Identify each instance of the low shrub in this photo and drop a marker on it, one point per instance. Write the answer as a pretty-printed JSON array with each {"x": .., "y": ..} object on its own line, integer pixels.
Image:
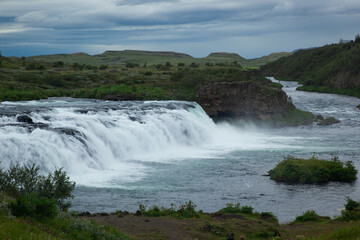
[
  {"x": 231, "y": 208},
  {"x": 21, "y": 181},
  {"x": 186, "y": 210},
  {"x": 31, "y": 205},
  {"x": 308, "y": 216},
  {"x": 235, "y": 208},
  {"x": 351, "y": 211}
]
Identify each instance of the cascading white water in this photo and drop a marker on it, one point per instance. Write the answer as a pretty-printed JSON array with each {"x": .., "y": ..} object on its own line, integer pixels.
[
  {"x": 98, "y": 141},
  {"x": 171, "y": 152}
]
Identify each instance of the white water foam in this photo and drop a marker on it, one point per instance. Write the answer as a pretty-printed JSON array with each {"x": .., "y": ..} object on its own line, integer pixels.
[{"x": 101, "y": 143}]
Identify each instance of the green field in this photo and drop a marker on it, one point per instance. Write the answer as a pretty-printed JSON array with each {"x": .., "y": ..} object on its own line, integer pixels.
[{"x": 125, "y": 75}]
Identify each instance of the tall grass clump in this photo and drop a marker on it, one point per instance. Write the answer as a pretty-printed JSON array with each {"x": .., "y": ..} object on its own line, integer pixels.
[
  {"x": 186, "y": 210},
  {"x": 313, "y": 170},
  {"x": 308, "y": 216},
  {"x": 236, "y": 208}
]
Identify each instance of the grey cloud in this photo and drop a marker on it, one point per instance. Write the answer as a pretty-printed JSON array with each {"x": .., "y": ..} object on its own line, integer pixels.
[{"x": 177, "y": 24}]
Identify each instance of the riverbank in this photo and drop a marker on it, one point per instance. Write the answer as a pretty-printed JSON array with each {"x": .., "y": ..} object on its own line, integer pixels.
[
  {"x": 122, "y": 225},
  {"x": 218, "y": 226},
  {"x": 328, "y": 69}
]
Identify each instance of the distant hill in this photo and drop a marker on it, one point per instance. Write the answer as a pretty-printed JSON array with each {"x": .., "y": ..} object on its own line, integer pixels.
[
  {"x": 332, "y": 68},
  {"x": 117, "y": 58},
  {"x": 258, "y": 62}
]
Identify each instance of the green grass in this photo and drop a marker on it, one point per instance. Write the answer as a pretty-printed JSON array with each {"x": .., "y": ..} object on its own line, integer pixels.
[
  {"x": 313, "y": 170},
  {"x": 62, "y": 227},
  {"x": 163, "y": 82},
  {"x": 328, "y": 121},
  {"x": 355, "y": 92},
  {"x": 345, "y": 233}
]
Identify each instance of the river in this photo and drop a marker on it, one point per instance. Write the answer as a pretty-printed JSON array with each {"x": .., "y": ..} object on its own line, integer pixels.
[{"x": 122, "y": 154}]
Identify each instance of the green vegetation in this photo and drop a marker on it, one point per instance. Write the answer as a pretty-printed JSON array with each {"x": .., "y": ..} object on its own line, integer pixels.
[
  {"x": 31, "y": 204},
  {"x": 238, "y": 220},
  {"x": 26, "y": 184},
  {"x": 308, "y": 216},
  {"x": 56, "y": 76},
  {"x": 25, "y": 79},
  {"x": 351, "y": 211},
  {"x": 133, "y": 58},
  {"x": 186, "y": 210},
  {"x": 63, "y": 227},
  {"x": 328, "y": 121},
  {"x": 330, "y": 69},
  {"x": 231, "y": 208},
  {"x": 313, "y": 170},
  {"x": 293, "y": 117}
]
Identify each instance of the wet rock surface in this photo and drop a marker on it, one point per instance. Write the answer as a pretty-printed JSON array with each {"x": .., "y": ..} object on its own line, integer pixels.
[{"x": 242, "y": 100}]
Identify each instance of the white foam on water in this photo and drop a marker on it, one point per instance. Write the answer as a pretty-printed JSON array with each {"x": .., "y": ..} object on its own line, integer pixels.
[{"x": 97, "y": 146}]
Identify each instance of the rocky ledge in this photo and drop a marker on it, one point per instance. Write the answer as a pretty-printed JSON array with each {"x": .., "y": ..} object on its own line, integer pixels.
[{"x": 242, "y": 100}]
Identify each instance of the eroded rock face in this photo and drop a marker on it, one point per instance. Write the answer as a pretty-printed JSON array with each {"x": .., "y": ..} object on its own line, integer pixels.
[{"x": 242, "y": 100}]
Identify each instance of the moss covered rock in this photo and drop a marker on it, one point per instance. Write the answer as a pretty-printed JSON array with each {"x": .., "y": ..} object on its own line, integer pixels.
[
  {"x": 328, "y": 121},
  {"x": 313, "y": 170}
]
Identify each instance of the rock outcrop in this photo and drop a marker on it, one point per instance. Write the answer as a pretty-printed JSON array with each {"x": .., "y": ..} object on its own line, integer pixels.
[
  {"x": 24, "y": 119},
  {"x": 328, "y": 121},
  {"x": 242, "y": 100}
]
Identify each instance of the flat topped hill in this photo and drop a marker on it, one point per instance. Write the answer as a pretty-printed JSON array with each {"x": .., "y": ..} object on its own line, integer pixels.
[
  {"x": 224, "y": 55},
  {"x": 141, "y": 57},
  {"x": 150, "y": 53}
]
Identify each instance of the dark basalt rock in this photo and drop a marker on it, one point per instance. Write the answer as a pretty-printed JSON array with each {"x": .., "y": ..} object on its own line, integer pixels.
[
  {"x": 24, "y": 119},
  {"x": 242, "y": 100},
  {"x": 68, "y": 131},
  {"x": 319, "y": 117}
]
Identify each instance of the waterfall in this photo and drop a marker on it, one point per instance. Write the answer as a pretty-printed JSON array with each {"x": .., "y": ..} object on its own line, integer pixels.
[{"x": 97, "y": 141}]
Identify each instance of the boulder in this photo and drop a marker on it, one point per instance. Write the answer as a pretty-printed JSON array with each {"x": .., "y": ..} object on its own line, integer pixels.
[
  {"x": 242, "y": 100},
  {"x": 24, "y": 119},
  {"x": 319, "y": 117}
]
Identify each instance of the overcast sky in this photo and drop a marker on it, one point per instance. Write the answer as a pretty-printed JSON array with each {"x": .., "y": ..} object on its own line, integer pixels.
[{"x": 251, "y": 28}]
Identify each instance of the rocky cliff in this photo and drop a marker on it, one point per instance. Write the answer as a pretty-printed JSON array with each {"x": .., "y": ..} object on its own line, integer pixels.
[{"x": 242, "y": 100}]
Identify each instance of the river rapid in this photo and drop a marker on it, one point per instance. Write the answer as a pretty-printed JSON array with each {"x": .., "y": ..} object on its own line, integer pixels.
[{"x": 122, "y": 154}]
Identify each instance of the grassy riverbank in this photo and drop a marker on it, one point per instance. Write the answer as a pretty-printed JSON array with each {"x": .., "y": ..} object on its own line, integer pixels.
[
  {"x": 183, "y": 223},
  {"x": 332, "y": 68}
]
